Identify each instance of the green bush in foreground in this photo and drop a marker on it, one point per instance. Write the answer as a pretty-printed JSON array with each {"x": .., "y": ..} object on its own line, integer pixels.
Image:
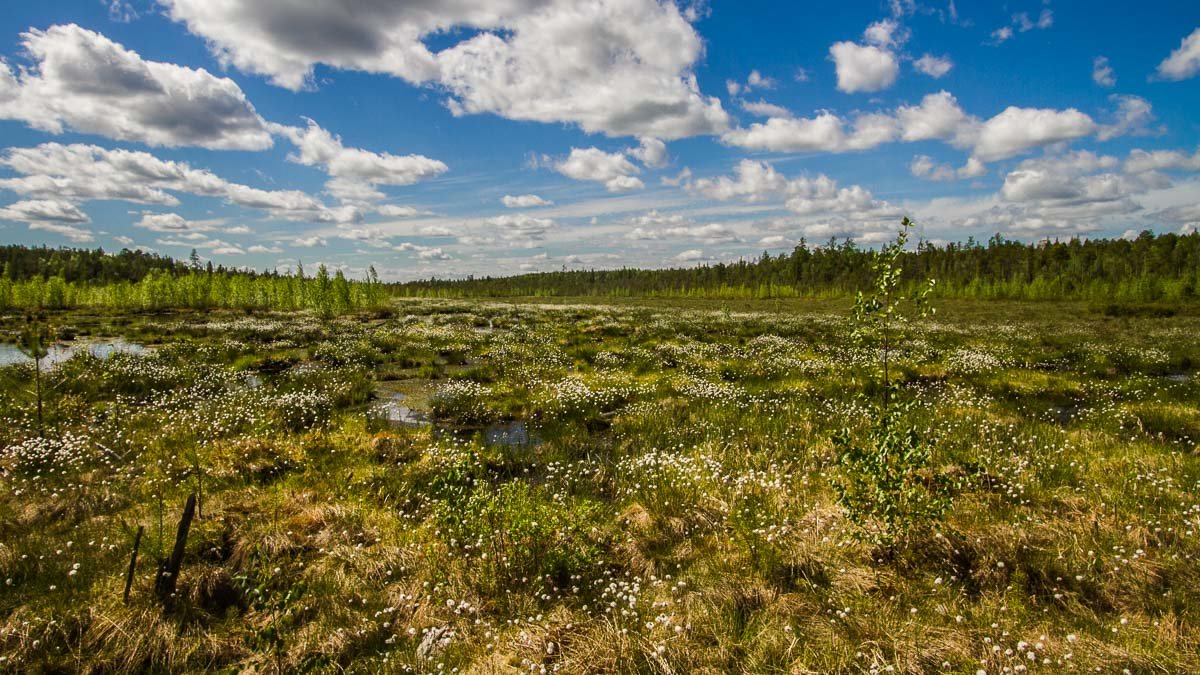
[{"x": 887, "y": 485}]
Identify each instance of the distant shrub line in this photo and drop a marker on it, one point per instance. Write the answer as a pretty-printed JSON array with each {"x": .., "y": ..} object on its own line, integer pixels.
[
  {"x": 1147, "y": 275},
  {"x": 1150, "y": 268}
]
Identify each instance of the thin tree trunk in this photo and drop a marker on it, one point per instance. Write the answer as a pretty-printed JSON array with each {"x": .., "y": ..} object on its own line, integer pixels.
[
  {"x": 137, "y": 541},
  {"x": 168, "y": 572},
  {"x": 37, "y": 378}
]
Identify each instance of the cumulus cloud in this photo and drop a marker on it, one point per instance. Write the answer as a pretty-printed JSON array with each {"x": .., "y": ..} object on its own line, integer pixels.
[
  {"x": 691, "y": 256},
  {"x": 651, "y": 152},
  {"x": 428, "y": 253},
  {"x": 924, "y": 166},
  {"x": 863, "y": 68},
  {"x": 1021, "y": 22},
  {"x": 1132, "y": 116},
  {"x": 1016, "y": 130},
  {"x": 755, "y": 80},
  {"x": 826, "y": 132},
  {"x": 82, "y": 172},
  {"x": 1142, "y": 161},
  {"x": 524, "y": 201},
  {"x": 356, "y": 171},
  {"x": 1184, "y": 62},
  {"x": 622, "y": 67},
  {"x": 169, "y": 222},
  {"x": 520, "y": 227},
  {"x": 50, "y": 215},
  {"x": 397, "y": 211},
  {"x": 934, "y": 66},
  {"x": 1102, "y": 72},
  {"x": 655, "y": 226},
  {"x": 82, "y": 81},
  {"x": 819, "y": 197},
  {"x": 764, "y": 109},
  {"x": 938, "y": 117},
  {"x": 886, "y": 33},
  {"x": 593, "y": 164},
  {"x": 1071, "y": 193},
  {"x": 45, "y": 210}
]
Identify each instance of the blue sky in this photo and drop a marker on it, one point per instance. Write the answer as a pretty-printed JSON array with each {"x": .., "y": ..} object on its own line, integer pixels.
[{"x": 460, "y": 137}]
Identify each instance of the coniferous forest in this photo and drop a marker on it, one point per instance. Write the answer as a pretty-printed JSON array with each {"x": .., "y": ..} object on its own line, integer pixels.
[{"x": 1151, "y": 268}]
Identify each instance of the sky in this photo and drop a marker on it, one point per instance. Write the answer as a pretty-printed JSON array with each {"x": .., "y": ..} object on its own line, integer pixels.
[{"x": 445, "y": 138}]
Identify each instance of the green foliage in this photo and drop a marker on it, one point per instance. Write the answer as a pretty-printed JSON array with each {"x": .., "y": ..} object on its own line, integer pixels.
[
  {"x": 522, "y": 536},
  {"x": 1161, "y": 268},
  {"x": 887, "y": 486}
]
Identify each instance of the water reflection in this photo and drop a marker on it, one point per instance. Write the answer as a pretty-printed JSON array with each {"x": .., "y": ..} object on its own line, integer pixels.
[{"x": 10, "y": 354}]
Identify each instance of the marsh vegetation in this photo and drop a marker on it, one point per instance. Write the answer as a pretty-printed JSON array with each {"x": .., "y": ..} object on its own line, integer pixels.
[{"x": 481, "y": 487}]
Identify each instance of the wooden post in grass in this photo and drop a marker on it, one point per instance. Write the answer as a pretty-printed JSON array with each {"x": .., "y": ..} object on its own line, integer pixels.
[
  {"x": 168, "y": 570},
  {"x": 137, "y": 541}
]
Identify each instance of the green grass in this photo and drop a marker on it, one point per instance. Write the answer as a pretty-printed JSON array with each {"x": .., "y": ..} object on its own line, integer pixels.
[{"x": 675, "y": 512}]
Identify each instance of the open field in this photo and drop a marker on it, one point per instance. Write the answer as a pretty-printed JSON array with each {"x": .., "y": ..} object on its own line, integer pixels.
[{"x": 646, "y": 486}]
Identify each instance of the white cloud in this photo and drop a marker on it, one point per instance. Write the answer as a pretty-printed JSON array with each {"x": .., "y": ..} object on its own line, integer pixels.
[
  {"x": 593, "y": 164},
  {"x": 819, "y": 197},
  {"x": 48, "y": 210},
  {"x": 863, "y": 68},
  {"x": 755, "y": 80},
  {"x": 886, "y": 33},
  {"x": 655, "y": 226},
  {"x": 75, "y": 234},
  {"x": 436, "y": 231},
  {"x": 396, "y": 211},
  {"x": 1141, "y": 161},
  {"x": 923, "y": 166},
  {"x": 50, "y": 215},
  {"x": 826, "y": 132},
  {"x": 1132, "y": 116},
  {"x": 650, "y": 152},
  {"x": 83, "y": 81},
  {"x": 259, "y": 248},
  {"x": 764, "y": 109},
  {"x": 520, "y": 227},
  {"x": 691, "y": 256},
  {"x": 309, "y": 242},
  {"x": 120, "y": 11},
  {"x": 622, "y": 67},
  {"x": 1024, "y": 24},
  {"x": 87, "y": 172},
  {"x": 624, "y": 184},
  {"x": 1018, "y": 129},
  {"x": 169, "y": 222},
  {"x": 934, "y": 66},
  {"x": 1102, "y": 72},
  {"x": 524, "y": 201},
  {"x": 317, "y": 147},
  {"x": 938, "y": 117},
  {"x": 1183, "y": 63}
]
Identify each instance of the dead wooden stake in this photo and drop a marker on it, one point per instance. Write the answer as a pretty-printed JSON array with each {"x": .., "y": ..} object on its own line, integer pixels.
[
  {"x": 168, "y": 571},
  {"x": 137, "y": 541}
]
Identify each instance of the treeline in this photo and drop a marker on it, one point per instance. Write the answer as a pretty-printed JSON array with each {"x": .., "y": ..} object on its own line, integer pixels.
[
  {"x": 1150, "y": 268},
  {"x": 195, "y": 287},
  {"x": 22, "y": 263}
]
